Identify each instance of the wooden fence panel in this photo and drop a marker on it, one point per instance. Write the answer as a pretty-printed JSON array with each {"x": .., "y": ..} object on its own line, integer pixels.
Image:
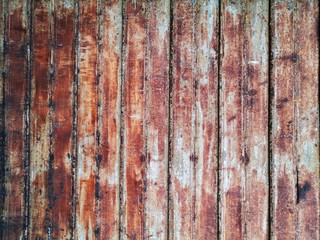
[{"x": 163, "y": 119}]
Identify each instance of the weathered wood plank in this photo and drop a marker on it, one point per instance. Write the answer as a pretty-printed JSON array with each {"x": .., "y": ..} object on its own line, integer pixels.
[
  {"x": 307, "y": 119},
  {"x": 109, "y": 73},
  {"x": 2, "y": 116},
  {"x": 15, "y": 118},
  {"x": 40, "y": 119},
  {"x": 133, "y": 156},
  {"x": 183, "y": 121},
  {"x": 295, "y": 120},
  {"x": 232, "y": 175},
  {"x": 61, "y": 126},
  {"x": 87, "y": 121},
  {"x": 255, "y": 110},
  {"x": 206, "y": 138},
  {"x": 157, "y": 120},
  {"x": 244, "y": 120}
]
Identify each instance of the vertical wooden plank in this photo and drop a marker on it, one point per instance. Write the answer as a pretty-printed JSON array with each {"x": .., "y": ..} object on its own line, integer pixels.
[
  {"x": 157, "y": 119},
  {"x": 295, "y": 119},
  {"x": 206, "y": 138},
  {"x": 40, "y": 120},
  {"x": 183, "y": 97},
  {"x": 232, "y": 175},
  {"x": 61, "y": 113},
  {"x": 87, "y": 121},
  {"x": 254, "y": 92},
  {"x": 15, "y": 118},
  {"x": 283, "y": 127},
  {"x": 307, "y": 118},
  {"x": 133, "y": 159},
  {"x": 2, "y": 116},
  {"x": 109, "y": 118}
]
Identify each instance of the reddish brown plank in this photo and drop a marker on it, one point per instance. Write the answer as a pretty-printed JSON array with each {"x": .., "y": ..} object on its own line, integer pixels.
[
  {"x": 61, "y": 126},
  {"x": 206, "y": 114},
  {"x": 295, "y": 120},
  {"x": 255, "y": 123},
  {"x": 157, "y": 115},
  {"x": 232, "y": 173},
  {"x": 40, "y": 119},
  {"x": 109, "y": 118},
  {"x": 244, "y": 120},
  {"x": 132, "y": 219},
  {"x": 183, "y": 82},
  {"x": 87, "y": 121},
  {"x": 15, "y": 118}
]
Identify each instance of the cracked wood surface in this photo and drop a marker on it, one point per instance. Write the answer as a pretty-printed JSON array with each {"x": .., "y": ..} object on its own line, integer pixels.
[{"x": 163, "y": 119}]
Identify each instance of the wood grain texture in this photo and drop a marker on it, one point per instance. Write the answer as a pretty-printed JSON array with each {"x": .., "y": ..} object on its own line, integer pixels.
[
  {"x": 162, "y": 119},
  {"x": 134, "y": 155},
  {"x": 157, "y": 120},
  {"x": 183, "y": 121},
  {"x": 206, "y": 119},
  {"x": 244, "y": 120},
  {"x": 295, "y": 119},
  {"x": 109, "y": 72},
  {"x": 16, "y": 119},
  {"x": 87, "y": 116},
  {"x": 60, "y": 178},
  {"x": 40, "y": 120}
]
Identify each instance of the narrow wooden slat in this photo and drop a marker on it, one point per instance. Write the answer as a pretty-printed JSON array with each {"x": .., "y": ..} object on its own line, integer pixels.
[
  {"x": 15, "y": 118},
  {"x": 183, "y": 97},
  {"x": 307, "y": 119},
  {"x": 283, "y": 127},
  {"x": 295, "y": 120},
  {"x": 61, "y": 107},
  {"x": 87, "y": 122},
  {"x": 206, "y": 138},
  {"x": 40, "y": 120},
  {"x": 2, "y": 116},
  {"x": 133, "y": 156},
  {"x": 255, "y": 122},
  {"x": 232, "y": 174},
  {"x": 244, "y": 120},
  {"x": 109, "y": 117},
  {"x": 157, "y": 115}
]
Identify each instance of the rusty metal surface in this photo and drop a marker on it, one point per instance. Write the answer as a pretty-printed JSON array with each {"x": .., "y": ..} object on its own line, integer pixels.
[{"x": 164, "y": 119}]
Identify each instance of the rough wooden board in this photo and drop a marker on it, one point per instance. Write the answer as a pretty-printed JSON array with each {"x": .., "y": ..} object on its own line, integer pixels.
[
  {"x": 206, "y": 119},
  {"x": 244, "y": 120},
  {"x": 133, "y": 107},
  {"x": 109, "y": 73},
  {"x": 183, "y": 121},
  {"x": 16, "y": 119},
  {"x": 60, "y": 178},
  {"x": 157, "y": 120},
  {"x": 295, "y": 120},
  {"x": 40, "y": 119},
  {"x": 87, "y": 114}
]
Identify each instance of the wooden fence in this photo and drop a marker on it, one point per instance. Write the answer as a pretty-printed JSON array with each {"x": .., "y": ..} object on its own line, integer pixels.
[{"x": 159, "y": 119}]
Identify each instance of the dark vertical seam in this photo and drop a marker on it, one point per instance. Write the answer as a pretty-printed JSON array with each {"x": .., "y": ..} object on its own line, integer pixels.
[
  {"x": 99, "y": 124},
  {"x": 27, "y": 113},
  {"x": 74, "y": 118},
  {"x": 121, "y": 130},
  {"x": 3, "y": 158},
  {"x": 51, "y": 156},
  {"x": 219, "y": 119},
  {"x": 270, "y": 96},
  {"x": 170, "y": 114}
]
